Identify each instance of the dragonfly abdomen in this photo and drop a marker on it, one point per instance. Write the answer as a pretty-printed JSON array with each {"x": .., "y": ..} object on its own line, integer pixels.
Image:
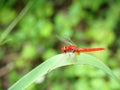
[{"x": 90, "y": 49}]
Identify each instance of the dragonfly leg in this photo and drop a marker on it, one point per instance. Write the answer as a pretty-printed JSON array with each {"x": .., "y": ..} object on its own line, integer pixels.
[{"x": 73, "y": 51}]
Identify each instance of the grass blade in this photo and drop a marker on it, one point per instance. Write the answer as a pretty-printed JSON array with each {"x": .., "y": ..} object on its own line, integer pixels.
[
  {"x": 13, "y": 24},
  {"x": 59, "y": 61}
]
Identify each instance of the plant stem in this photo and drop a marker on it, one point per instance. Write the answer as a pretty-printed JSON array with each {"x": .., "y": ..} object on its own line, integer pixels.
[{"x": 13, "y": 24}]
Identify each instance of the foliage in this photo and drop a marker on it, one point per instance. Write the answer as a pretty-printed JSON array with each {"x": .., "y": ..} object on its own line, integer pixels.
[
  {"x": 54, "y": 62},
  {"x": 27, "y": 38}
]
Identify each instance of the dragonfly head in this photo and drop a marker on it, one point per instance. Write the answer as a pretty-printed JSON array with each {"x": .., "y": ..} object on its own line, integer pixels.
[{"x": 64, "y": 49}]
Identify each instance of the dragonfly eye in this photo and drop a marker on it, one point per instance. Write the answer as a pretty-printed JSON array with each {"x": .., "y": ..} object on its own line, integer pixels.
[{"x": 64, "y": 49}]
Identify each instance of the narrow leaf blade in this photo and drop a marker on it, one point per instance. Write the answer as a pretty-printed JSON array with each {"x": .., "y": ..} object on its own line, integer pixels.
[{"x": 59, "y": 61}]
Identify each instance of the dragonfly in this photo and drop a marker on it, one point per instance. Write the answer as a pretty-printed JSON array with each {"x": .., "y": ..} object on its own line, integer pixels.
[{"x": 75, "y": 49}]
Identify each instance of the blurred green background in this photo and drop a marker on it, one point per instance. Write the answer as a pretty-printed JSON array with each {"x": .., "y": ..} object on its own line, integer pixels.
[{"x": 89, "y": 23}]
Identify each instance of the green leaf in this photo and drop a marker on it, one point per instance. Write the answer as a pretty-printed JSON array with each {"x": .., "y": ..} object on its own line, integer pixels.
[
  {"x": 59, "y": 61},
  {"x": 29, "y": 51},
  {"x": 7, "y": 15}
]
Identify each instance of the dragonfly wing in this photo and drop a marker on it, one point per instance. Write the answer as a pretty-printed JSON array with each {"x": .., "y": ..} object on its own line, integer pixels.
[{"x": 67, "y": 41}]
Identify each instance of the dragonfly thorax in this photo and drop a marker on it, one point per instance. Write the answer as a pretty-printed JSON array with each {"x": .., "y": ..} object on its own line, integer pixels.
[{"x": 72, "y": 48}]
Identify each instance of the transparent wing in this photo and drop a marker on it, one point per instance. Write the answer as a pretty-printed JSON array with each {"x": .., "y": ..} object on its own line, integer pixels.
[{"x": 66, "y": 40}]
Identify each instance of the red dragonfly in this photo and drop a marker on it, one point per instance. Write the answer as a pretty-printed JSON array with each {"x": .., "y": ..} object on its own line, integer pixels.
[{"x": 75, "y": 49}]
